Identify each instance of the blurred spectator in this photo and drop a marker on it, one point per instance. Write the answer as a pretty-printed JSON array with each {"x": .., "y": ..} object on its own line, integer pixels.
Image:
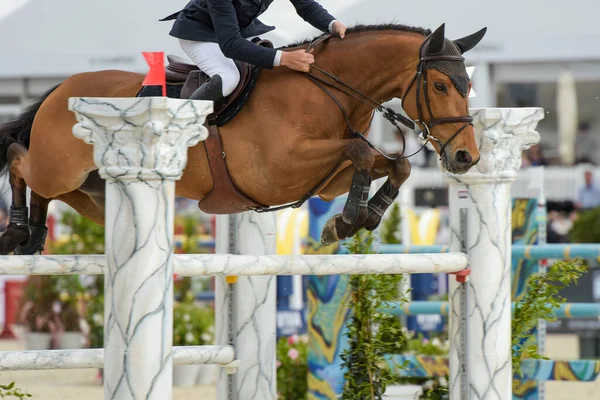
[
  {"x": 585, "y": 145},
  {"x": 535, "y": 156},
  {"x": 559, "y": 226},
  {"x": 589, "y": 195},
  {"x": 3, "y": 218}
]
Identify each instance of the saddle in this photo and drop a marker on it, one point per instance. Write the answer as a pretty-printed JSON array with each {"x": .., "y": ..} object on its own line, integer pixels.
[{"x": 225, "y": 198}]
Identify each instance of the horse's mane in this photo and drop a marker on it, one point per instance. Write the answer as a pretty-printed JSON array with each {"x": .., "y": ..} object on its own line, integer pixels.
[{"x": 369, "y": 28}]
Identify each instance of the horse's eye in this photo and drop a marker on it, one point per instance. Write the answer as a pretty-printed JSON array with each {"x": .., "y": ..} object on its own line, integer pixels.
[{"x": 440, "y": 86}]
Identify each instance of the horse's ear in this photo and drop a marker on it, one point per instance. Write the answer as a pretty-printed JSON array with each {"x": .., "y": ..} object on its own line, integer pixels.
[
  {"x": 468, "y": 42},
  {"x": 436, "y": 42}
]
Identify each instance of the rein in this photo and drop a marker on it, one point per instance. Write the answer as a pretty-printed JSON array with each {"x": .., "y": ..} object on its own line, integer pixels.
[
  {"x": 388, "y": 113},
  {"x": 393, "y": 117}
]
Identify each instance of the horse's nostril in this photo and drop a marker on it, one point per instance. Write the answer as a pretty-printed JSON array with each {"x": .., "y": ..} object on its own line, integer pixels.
[{"x": 463, "y": 157}]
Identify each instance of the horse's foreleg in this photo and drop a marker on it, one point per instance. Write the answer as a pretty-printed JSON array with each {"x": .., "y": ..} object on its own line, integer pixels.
[
  {"x": 398, "y": 173},
  {"x": 356, "y": 209},
  {"x": 17, "y": 231}
]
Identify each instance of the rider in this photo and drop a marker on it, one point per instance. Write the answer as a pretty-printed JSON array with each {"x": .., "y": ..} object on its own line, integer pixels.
[{"x": 212, "y": 33}]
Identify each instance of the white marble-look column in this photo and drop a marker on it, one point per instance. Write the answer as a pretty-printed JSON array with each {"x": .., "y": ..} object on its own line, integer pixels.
[
  {"x": 140, "y": 148},
  {"x": 246, "y": 310},
  {"x": 480, "y": 362}
]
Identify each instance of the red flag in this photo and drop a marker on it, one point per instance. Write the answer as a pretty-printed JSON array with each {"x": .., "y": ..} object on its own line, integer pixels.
[{"x": 156, "y": 76}]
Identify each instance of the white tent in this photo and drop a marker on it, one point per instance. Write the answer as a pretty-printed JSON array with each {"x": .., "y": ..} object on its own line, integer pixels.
[
  {"x": 60, "y": 37},
  {"x": 531, "y": 30}
]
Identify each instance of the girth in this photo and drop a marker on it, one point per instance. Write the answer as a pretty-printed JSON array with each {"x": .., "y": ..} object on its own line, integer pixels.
[{"x": 225, "y": 197}]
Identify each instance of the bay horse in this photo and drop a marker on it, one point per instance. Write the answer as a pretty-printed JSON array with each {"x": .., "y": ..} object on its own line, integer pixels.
[{"x": 290, "y": 139}]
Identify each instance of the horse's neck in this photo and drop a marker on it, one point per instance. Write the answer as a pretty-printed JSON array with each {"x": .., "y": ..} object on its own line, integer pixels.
[{"x": 378, "y": 64}]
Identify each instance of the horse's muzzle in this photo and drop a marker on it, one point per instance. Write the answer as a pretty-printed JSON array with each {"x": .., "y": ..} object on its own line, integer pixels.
[{"x": 458, "y": 163}]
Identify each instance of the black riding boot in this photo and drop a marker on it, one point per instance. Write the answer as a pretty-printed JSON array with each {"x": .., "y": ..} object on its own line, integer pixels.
[{"x": 211, "y": 90}]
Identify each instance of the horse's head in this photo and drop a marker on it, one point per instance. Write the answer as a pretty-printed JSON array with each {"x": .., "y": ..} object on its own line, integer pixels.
[{"x": 437, "y": 99}]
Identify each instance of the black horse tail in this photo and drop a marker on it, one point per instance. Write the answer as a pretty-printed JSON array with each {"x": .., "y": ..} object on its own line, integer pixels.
[{"x": 19, "y": 130}]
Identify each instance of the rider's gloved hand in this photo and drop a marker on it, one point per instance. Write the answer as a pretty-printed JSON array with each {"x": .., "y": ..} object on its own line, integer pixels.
[
  {"x": 298, "y": 60},
  {"x": 339, "y": 29}
]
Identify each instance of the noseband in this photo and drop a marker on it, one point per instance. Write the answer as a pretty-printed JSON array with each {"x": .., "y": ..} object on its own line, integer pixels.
[{"x": 388, "y": 113}]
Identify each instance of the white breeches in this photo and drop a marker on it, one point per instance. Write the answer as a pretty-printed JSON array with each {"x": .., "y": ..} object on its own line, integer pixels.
[{"x": 211, "y": 60}]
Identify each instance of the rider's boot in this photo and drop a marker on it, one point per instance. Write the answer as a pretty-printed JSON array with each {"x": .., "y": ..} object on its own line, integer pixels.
[{"x": 211, "y": 90}]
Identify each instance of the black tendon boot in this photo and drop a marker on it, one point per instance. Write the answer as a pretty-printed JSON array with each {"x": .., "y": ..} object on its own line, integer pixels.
[
  {"x": 379, "y": 203},
  {"x": 356, "y": 208}
]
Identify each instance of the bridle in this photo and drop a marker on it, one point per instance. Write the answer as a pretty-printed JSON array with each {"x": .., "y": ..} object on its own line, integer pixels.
[
  {"x": 421, "y": 75},
  {"x": 420, "y": 79}
]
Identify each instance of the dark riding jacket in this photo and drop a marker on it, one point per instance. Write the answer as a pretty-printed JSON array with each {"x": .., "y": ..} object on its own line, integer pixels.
[{"x": 229, "y": 22}]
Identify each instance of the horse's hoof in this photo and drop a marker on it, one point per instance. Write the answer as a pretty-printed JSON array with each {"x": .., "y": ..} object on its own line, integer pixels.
[
  {"x": 372, "y": 222},
  {"x": 329, "y": 234}
]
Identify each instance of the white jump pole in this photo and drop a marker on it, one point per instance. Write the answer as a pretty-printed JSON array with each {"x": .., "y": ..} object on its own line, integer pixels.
[
  {"x": 140, "y": 148},
  {"x": 480, "y": 209}
]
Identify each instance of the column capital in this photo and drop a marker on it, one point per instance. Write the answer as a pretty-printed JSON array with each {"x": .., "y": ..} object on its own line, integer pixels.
[
  {"x": 140, "y": 138},
  {"x": 502, "y": 134}
]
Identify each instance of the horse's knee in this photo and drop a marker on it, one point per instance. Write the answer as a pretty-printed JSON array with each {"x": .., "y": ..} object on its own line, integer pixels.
[
  {"x": 403, "y": 166},
  {"x": 15, "y": 155},
  {"x": 360, "y": 154},
  {"x": 401, "y": 169}
]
